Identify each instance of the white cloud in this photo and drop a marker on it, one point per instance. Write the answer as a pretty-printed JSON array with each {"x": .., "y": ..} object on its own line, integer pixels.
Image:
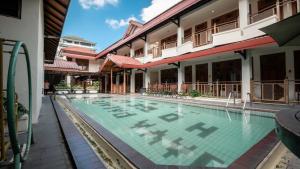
[
  {"x": 87, "y": 4},
  {"x": 115, "y": 24},
  {"x": 156, "y": 8}
]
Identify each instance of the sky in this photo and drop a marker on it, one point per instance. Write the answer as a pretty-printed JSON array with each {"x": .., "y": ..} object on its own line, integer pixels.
[{"x": 105, "y": 21}]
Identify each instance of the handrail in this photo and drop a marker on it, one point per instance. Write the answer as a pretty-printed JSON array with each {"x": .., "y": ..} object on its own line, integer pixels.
[
  {"x": 18, "y": 155},
  {"x": 227, "y": 103}
]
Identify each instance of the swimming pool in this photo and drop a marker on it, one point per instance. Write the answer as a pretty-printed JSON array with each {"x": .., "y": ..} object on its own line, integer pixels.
[{"x": 178, "y": 134}]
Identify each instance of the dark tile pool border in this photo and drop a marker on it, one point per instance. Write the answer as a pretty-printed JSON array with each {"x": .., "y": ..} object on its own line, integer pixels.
[
  {"x": 251, "y": 159},
  {"x": 81, "y": 152}
]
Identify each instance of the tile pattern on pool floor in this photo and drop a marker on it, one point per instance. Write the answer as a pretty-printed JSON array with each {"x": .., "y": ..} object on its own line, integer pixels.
[{"x": 178, "y": 134}]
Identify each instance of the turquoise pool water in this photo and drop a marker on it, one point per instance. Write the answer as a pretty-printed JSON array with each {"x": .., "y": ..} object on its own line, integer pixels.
[{"x": 178, "y": 134}]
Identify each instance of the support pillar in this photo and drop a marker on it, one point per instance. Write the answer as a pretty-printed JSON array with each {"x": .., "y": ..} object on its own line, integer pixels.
[
  {"x": 132, "y": 52},
  {"x": 209, "y": 65},
  {"x": 124, "y": 82},
  {"x": 146, "y": 45},
  {"x": 111, "y": 81},
  {"x": 105, "y": 83},
  {"x": 180, "y": 77},
  {"x": 117, "y": 79},
  {"x": 243, "y": 13},
  {"x": 132, "y": 81},
  {"x": 179, "y": 35},
  {"x": 68, "y": 80},
  {"x": 290, "y": 73},
  {"x": 194, "y": 77},
  {"x": 298, "y": 5},
  {"x": 159, "y": 77},
  {"x": 246, "y": 77},
  {"x": 147, "y": 79}
]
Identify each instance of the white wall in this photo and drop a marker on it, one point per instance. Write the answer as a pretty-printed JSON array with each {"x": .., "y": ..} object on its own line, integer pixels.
[
  {"x": 30, "y": 30},
  {"x": 94, "y": 65}
]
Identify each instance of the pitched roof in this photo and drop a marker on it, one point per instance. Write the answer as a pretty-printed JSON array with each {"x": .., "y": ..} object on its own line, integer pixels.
[
  {"x": 132, "y": 27},
  {"x": 163, "y": 17},
  {"x": 120, "y": 61},
  {"x": 79, "y": 53},
  {"x": 62, "y": 64},
  {"x": 77, "y": 49}
]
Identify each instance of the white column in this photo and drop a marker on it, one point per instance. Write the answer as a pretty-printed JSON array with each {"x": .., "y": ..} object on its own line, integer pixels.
[
  {"x": 131, "y": 52},
  {"x": 146, "y": 79},
  {"x": 159, "y": 77},
  {"x": 105, "y": 83},
  {"x": 146, "y": 45},
  {"x": 180, "y": 79},
  {"x": 246, "y": 76},
  {"x": 243, "y": 13},
  {"x": 118, "y": 79},
  {"x": 194, "y": 76},
  {"x": 68, "y": 80},
  {"x": 132, "y": 81},
  {"x": 298, "y": 5},
  {"x": 256, "y": 75},
  {"x": 179, "y": 35},
  {"x": 290, "y": 72},
  {"x": 209, "y": 72}
]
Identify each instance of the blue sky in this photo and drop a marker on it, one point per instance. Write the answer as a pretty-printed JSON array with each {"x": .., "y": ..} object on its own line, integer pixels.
[{"x": 105, "y": 21}]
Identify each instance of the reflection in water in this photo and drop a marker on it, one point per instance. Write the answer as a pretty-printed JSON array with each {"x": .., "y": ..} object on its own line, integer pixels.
[
  {"x": 246, "y": 123},
  {"x": 228, "y": 115}
]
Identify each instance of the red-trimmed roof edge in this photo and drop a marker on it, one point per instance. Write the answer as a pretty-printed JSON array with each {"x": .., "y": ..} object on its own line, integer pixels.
[{"x": 246, "y": 44}]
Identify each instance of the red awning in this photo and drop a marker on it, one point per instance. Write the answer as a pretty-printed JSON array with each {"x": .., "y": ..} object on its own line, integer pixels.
[
  {"x": 121, "y": 62},
  {"x": 247, "y": 44},
  {"x": 128, "y": 62}
]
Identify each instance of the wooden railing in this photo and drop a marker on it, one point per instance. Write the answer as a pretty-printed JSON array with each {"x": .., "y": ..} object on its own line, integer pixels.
[
  {"x": 167, "y": 45},
  {"x": 270, "y": 91},
  {"x": 226, "y": 26},
  {"x": 269, "y": 11},
  {"x": 117, "y": 89},
  {"x": 163, "y": 88},
  {"x": 156, "y": 52},
  {"x": 202, "y": 38},
  {"x": 187, "y": 39},
  {"x": 215, "y": 89}
]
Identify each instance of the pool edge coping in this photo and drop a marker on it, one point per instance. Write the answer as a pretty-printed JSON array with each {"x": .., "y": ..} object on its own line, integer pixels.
[{"x": 252, "y": 157}]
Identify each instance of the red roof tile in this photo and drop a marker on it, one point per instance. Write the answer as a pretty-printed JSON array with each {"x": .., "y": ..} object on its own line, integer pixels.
[
  {"x": 82, "y": 50},
  {"x": 62, "y": 64},
  {"x": 121, "y": 61}
]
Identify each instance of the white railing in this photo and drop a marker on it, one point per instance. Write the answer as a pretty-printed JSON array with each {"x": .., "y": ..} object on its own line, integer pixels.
[
  {"x": 226, "y": 26},
  {"x": 202, "y": 37}
]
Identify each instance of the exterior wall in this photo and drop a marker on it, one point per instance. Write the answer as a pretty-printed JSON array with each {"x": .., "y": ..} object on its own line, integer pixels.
[
  {"x": 28, "y": 29},
  {"x": 94, "y": 65},
  {"x": 246, "y": 30}
]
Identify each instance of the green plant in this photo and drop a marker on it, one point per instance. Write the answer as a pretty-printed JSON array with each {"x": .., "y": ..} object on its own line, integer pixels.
[
  {"x": 61, "y": 85},
  {"x": 77, "y": 87},
  {"x": 194, "y": 93}
]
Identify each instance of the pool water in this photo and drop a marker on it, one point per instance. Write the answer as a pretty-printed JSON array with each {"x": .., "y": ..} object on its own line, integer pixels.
[{"x": 178, "y": 134}]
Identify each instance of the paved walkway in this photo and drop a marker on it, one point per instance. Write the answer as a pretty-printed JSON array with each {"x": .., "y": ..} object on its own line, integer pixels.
[{"x": 49, "y": 150}]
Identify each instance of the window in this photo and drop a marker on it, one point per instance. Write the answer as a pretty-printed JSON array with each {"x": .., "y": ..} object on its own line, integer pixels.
[
  {"x": 12, "y": 8},
  {"x": 188, "y": 74},
  {"x": 188, "y": 35}
]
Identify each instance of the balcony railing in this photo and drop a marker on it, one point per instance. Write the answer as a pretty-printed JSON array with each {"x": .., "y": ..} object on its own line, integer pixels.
[
  {"x": 187, "y": 39},
  {"x": 270, "y": 91},
  {"x": 167, "y": 45},
  {"x": 155, "y": 51},
  {"x": 226, "y": 26},
  {"x": 202, "y": 38},
  {"x": 269, "y": 11},
  {"x": 214, "y": 89}
]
